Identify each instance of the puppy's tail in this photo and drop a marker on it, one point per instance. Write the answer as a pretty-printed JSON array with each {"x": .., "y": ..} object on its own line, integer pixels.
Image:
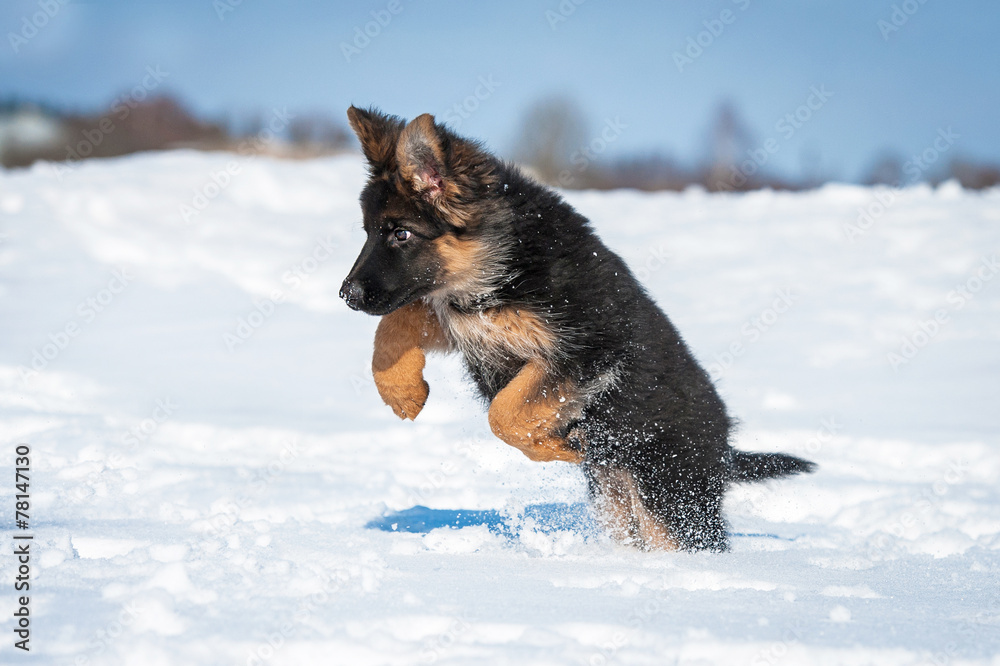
[{"x": 759, "y": 466}]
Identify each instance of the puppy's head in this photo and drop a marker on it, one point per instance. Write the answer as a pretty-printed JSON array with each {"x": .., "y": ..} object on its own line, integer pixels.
[{"x": 421, "y": 207}]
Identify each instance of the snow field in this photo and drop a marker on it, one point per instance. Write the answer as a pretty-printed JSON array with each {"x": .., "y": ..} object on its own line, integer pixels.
[{"x": 208, "y": 446}]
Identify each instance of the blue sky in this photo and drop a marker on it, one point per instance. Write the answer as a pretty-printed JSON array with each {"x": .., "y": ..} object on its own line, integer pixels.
[{"x": 615, "y": 59}]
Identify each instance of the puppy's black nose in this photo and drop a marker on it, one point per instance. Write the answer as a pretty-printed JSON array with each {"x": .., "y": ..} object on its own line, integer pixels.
[{"x": 352, "y": 293}]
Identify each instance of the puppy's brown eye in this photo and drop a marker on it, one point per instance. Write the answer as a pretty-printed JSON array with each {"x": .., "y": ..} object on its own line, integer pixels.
[{"x": 401, "y": 235}]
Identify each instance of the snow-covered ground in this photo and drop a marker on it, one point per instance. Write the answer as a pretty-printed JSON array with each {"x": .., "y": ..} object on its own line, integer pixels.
[{"x": 211, "y": 463}]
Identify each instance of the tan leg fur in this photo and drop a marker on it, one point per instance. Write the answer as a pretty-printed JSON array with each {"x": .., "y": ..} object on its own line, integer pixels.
[
  {"x": 401, "y": 339},
  {"x": 527, "y": 413}
]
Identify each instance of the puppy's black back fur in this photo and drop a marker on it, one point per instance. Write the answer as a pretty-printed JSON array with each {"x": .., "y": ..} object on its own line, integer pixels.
[{"x": 661, "y": 418}]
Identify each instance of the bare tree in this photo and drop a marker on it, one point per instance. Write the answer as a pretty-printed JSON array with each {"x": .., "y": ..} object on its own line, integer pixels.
[
  {"x": 887, "y": 170},
  {"x": 729, "y": 140},
  {"x": 552, "y": 130},
  {"x": 318, "y": 133}
]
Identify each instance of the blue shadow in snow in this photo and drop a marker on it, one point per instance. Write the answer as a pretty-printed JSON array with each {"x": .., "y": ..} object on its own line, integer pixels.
[{"x": 545, "y": 518}]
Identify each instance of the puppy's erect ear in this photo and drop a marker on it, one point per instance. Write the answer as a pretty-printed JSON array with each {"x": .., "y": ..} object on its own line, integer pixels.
[
  {"x": 421, "y": 158},
  {"x": 379, "y": 134},
  {"x": 443, "y": 170}
]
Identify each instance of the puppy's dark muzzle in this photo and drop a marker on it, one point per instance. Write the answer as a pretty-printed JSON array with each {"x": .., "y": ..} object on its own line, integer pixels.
[{"x": 353, "y": 294}]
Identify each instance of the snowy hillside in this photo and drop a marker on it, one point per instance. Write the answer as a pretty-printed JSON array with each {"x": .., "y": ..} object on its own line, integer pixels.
[{"x": 215, "y": 480}]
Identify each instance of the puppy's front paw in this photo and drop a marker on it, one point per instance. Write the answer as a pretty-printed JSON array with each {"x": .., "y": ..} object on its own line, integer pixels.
[{"x": 406, "y": 399}]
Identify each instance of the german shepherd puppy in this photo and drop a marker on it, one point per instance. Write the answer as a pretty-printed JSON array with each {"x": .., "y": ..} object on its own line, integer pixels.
[{"x": 465, "y": 253}]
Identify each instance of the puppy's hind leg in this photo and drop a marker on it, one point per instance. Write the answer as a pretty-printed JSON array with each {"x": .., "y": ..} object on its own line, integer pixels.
[
  {"x": 693, "y": 513},
  {"x": 622, "y": 510}
]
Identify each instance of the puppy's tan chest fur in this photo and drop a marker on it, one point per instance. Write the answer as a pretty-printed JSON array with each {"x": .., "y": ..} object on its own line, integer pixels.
[{"x": 497, "y": 334}]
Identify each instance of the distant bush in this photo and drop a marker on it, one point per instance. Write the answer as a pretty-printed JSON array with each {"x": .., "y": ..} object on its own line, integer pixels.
[{"x": 131, "y": 126}]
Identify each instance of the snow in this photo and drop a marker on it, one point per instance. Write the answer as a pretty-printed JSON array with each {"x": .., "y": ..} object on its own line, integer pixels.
[{"x": 215, "y": 480}]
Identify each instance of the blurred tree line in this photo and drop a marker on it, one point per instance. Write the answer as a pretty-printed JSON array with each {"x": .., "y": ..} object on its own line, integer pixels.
[
  {"x": 556, "y": 144},
  {"x": 558, "y": 148},
  {"x": 33, "y": 132}
]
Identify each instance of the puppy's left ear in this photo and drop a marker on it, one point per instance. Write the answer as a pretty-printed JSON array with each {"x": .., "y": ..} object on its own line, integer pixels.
[{"x": 421, "y": 159}]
